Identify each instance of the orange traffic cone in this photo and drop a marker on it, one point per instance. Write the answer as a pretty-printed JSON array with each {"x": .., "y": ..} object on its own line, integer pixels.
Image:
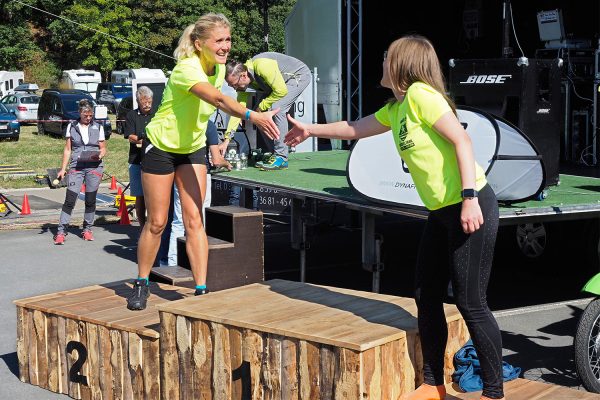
[
  {"x": 119, "y": 192},
  {"x": 25, "y": 210},
  {"x": 123, "y": 211},
  {"x": 113, "y": 183}
]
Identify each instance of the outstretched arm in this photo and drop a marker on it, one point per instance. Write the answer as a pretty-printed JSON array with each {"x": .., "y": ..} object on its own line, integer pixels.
[
  {"x": 211, "y": 95},
  {"x": 364, "y": 127}
]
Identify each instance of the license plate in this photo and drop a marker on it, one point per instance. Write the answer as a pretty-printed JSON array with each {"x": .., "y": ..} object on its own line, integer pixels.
[{"x": 3, "y": 126}]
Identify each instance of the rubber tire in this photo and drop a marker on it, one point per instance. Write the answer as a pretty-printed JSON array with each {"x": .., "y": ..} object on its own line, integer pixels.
[
  {"x": 589, "y": 317},
  {"x": 540, "y": 240}
]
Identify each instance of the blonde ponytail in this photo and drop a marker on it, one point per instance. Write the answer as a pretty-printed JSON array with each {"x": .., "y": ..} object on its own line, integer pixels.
[
  {"x": 200, "y": 30},
  {"x": 185, "y": 46}
]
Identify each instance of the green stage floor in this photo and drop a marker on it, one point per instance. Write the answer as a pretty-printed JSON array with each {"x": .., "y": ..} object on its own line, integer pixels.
[{"x": 322, "y": 175}]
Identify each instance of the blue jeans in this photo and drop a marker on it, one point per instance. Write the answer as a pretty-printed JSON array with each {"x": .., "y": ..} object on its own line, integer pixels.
[{"x": 177, "y": 229}]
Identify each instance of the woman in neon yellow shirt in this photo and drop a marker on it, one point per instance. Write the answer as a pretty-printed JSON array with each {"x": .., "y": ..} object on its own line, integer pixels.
[
  {"x": 460, "y": 234},
  {"x": 175, "y": 147}
]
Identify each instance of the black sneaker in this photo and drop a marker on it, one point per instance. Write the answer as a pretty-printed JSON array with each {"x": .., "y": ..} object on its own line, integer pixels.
[
  {"x": 139, "y": 294},
  {"x": 200, "y": 292}
]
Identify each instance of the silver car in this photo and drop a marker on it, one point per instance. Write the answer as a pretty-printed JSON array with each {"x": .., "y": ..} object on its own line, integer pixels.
[{"x": 23, "y": 105}]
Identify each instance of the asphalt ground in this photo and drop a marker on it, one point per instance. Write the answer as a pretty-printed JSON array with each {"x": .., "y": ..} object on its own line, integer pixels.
[{"x": 537, "y": 301}]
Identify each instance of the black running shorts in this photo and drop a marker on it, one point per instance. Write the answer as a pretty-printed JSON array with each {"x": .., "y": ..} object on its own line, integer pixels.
[{"x": 158, "y": 162}]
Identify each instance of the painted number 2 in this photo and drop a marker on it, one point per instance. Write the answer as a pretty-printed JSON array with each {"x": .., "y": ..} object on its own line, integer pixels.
[{"x": 75, "y": 372}]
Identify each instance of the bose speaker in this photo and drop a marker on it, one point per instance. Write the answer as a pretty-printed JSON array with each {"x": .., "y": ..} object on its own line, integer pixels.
[{"x": 524, "y": 92}]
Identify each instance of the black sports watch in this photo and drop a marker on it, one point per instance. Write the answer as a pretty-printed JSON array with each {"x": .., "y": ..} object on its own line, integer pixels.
[{"x": 468, "y": 193}]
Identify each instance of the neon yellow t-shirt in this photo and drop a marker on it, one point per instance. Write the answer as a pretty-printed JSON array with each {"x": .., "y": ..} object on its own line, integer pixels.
[
  {"x": 430, "y": 158},
  {"x": 179, "y": 124}
]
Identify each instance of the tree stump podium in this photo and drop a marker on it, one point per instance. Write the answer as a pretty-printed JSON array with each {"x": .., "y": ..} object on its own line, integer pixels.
[
  {"x": 291, "y": 340},
  {"x": 86, "y": 344}
]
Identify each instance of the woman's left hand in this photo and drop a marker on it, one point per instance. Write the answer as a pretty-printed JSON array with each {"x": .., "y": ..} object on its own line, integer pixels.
[{"x": 471, "y": 217}]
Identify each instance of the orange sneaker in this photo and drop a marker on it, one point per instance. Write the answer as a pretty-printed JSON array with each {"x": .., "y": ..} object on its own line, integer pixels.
[
  {"x": 88, "y": 235},
  {"x": 59, "y": 239},
  {"x": 427, "y": 392}
]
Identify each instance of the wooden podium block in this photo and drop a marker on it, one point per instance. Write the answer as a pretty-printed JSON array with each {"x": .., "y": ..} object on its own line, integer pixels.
[
  {"x": 524, "y": 389},
  {"x": 85, "y": 343},
  {"x": 236, "y": 251},
  {"x": 292, "y": 340}
]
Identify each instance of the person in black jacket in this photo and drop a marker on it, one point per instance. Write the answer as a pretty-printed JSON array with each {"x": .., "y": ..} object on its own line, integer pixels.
[{"x": 135, "y": 125}]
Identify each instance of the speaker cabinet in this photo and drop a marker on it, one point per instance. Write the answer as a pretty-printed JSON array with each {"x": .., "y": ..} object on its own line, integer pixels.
[{"x": 527, "y": 94}]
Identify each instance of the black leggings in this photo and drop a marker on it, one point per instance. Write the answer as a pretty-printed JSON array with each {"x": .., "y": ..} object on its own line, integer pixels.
[{"x": 447, "y": 253}]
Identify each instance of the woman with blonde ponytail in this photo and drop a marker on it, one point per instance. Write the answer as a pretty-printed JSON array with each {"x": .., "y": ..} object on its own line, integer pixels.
[
  {"x": 457, "y": 244},
  {"x": 175, "y": 146}
]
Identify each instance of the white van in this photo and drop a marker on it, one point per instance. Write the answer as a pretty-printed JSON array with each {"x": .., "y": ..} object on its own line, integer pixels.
[
  {"x": 128, "y": 75},
  {"x": 82, "y": 79},
  {"x": 9, "y": 80}
]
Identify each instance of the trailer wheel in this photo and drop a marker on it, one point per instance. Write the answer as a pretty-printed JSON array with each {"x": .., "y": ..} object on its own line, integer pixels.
[
  {"x": 587, "y": 347},
  {"x": 532, "y": 239}
]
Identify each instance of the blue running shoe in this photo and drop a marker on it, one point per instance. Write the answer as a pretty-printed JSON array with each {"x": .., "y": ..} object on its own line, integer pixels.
[{"x": 275, "y": 163}]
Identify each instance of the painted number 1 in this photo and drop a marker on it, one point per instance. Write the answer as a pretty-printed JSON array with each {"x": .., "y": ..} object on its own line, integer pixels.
[{"x": 75, "y": 372}]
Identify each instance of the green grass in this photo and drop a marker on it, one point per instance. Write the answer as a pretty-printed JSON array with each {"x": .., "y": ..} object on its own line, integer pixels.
[{"x": 36, "y": 153}]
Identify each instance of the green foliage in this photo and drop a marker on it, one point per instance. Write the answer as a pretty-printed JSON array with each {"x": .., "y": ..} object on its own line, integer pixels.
[
  {"x": 44, "y": 44},
  {"x": 41, "y": 70},
  {"x": 16, "y": 46},
  {"x": 278, "y": 12}
]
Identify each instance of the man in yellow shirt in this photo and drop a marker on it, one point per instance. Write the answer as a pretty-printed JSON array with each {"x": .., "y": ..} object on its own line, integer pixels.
[{"x": 278, "y": 80}]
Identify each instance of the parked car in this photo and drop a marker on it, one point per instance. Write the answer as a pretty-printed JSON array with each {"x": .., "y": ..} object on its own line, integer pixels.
[
  {"x": 111, "y": 93},
  {"x": 26, "y": 87},
  {"x": 9, "y": 126},
  {"x": 24, "y": 105},
  {"x": 125, "y": 106},
  {"x": 60, "y": 106}
]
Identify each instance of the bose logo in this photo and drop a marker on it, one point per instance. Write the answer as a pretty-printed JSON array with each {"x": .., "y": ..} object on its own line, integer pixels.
[{"x": 486, "y": 79}]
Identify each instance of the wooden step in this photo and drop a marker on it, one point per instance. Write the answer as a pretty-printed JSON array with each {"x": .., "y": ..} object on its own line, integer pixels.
[
  {"x": 235, "y": 256},
  {"x": 524, "y": 389}
]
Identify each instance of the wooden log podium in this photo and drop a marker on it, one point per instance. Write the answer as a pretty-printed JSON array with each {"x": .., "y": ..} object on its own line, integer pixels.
[
  {"x": 291, "y": 340},
  {"x": 85, "y": 343},
  {"x": 524, "y": 389}
]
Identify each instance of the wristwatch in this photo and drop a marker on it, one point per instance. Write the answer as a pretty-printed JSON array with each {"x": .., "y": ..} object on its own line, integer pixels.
[{"x": 468, "y": 193}]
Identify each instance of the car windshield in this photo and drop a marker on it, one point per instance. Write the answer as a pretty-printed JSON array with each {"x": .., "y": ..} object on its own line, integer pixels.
[
  {"x": 3, "y": 109},
  {"x": 121, "y": 88},
  {"x": 30, "y": 100},
  {"x": 72, "y": 104}
]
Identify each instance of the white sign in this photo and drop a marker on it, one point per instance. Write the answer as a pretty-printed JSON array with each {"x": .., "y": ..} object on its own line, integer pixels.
[
  {"x": 304, "y": 112},
  {"x": 512, "y": 164}
]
